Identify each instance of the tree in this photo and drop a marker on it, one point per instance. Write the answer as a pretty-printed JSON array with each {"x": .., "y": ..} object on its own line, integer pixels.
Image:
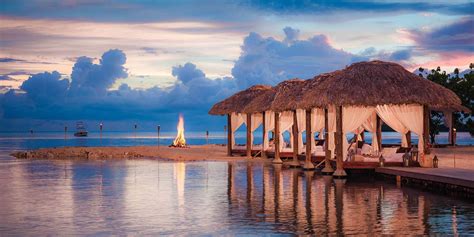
[{"x": 464, "y": 89}]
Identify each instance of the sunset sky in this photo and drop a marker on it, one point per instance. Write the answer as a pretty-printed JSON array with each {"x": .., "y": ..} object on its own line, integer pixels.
[{"x": 150, "y": 60}]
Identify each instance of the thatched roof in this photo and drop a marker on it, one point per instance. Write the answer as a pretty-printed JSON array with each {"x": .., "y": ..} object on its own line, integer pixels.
[
  {"x": 278, "y": 98},
  {"x": 261, "y": 103},
  {"x": 238, "y": 101},
  {"x": 288, "y": 94},
  {"x": 374, "y": 83}
]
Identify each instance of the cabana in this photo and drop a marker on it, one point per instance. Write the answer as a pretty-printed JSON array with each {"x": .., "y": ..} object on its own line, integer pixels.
[
  {"x": 277, "y": 121},
  {"x": 363, "y": 95},
  {"x": 233, "y": 108}
]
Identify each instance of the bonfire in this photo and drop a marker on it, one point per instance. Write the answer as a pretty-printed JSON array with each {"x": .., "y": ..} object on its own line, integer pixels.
[{"x": 180, "y": 141}]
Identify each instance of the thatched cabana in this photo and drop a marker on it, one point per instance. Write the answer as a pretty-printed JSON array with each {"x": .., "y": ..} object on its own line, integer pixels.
[
  {"x": 357, "y": 98},
  {"x": 233, "y": 108},
  {"x": 364, "y": 94}
]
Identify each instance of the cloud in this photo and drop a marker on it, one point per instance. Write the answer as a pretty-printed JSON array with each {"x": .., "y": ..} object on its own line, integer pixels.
[
  {"x": 270, "y": 61},
  {"x": 10, "y": 60},
  {"x": 95, "y": 79},
  {"x": 187, "y": 72},
  {"x": 455, "y": 37},
  {"x": 150, "y": 50},
  {"x": 6, "y": 78},
  {"x": 88, "y": 93},
  {"x": 243, "y": 10},
  {"x": 45, "y": 88}
]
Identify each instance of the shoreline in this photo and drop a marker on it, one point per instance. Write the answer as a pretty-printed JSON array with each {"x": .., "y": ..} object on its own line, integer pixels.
[
  {"x": 460, "y": 156},
  {"x": 190, "y": 153}
]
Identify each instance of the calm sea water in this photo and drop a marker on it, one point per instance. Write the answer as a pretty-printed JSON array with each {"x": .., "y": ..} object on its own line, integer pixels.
[{"x": 150, "y": 197}]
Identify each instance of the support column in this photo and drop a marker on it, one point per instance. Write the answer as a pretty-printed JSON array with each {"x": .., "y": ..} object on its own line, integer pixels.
[
  {"x": 426, "y": 128},
  {"x": 276, "y": 139},
  {"x": 264, "y": 135},
  {"x": 295, "y": 162},
  {"x": 379, "y": 133},
  {"x": 452, "y": 139},
  {"x": 229, "y": 135},
  {"x": 308, "y": 164},
  {"x": 339, "y": 173},
  {"x": 408, "y": 137},
  {"x": 249, "y": 135},
  {"x": 327, "y": 159}
]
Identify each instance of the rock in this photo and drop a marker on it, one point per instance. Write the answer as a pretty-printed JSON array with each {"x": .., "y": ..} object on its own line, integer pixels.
[{"x": 50, "y": 155}]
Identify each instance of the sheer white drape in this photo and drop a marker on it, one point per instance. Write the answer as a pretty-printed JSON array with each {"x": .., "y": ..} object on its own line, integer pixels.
[
  {"x": 352, "y": 118},
  {"x": 411, "y": 116},
  {"x": 286, "y": 121},
  {"x": 389, "y": 116},
  {"x": 269, "y": 126},
  {"x": 236, "y": 120},
  {"x": 448, "y": 122},
  {"x": 301, "y": 117},
  {"x": 317, "y": 125},
  {"x": 255, "y": 123},
  {"x": 371, "y": 125}
]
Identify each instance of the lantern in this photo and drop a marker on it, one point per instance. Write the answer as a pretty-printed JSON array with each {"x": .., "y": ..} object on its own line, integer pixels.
[
  {"x": 381, "y": 161},
  {"x": 406, "y": 159},
  {"x": 435, "y": 162}
]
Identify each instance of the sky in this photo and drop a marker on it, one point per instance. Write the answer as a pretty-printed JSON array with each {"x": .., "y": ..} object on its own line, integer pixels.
[{"x": 124, "y": 62}]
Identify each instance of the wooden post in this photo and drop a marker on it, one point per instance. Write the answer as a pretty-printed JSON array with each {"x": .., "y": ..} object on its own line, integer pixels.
[
  {"x": 426, "y": 128},
  {"x": 327, "y": 160},
  {"x": 276, "y": 139},
  {"x": 308, "y": 164},
  {"x": 340, "y": 173},
  {"x": 295, "y": 162},
  {"x": 451, "y": 131},
  {"x": 264, "y": 136},
  {"x": 229, "y": 135},
  {"x": 379, "y": 133},
  {"x": 249, "y": 135},
  {"x": 408, "y": 137}
]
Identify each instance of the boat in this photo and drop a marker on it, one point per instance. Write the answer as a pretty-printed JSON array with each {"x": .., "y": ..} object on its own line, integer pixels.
[{"x": 80, "y": 130}]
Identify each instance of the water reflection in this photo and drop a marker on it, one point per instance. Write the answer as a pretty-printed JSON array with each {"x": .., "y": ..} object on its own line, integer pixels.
[
  {"x": 293, "y": 201},
  {"x": 146, "y": 197}
]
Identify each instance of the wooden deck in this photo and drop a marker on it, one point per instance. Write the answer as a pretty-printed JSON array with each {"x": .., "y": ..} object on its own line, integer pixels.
[{"x": 449, "y": 176}]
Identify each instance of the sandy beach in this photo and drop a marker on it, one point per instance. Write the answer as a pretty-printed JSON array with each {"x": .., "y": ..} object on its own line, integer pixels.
[
  {"x": 464, "y": 156},
  {"x": 459, "y": 157},
  {"x": 191, "y": 153}
]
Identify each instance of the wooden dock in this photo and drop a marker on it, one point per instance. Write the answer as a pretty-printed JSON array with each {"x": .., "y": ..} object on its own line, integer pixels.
[{"x": 456, "y": 180}]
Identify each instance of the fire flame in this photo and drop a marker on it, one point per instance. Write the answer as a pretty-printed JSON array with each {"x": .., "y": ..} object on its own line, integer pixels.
[{"x": 179, "y": 141}]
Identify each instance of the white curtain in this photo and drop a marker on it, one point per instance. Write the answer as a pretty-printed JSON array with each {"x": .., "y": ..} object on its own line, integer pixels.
[
  {"x": 389, "y": 116},
  {"x": 256, "y": 120},
  {"x": 331, "y": 129},
  {"x": 352, "y": 118},
  {"x": 269, "y": 126},
  {"x": 286, "y": 121},
  {"x": 411, "y": 116},
  {"x": 371, "y": 125},
  {"x": 317, "y": 125},
  {"x": 448, "y": 122},
  {"x": 236, "y": 120},
  {"x": 301, "y": 117}
]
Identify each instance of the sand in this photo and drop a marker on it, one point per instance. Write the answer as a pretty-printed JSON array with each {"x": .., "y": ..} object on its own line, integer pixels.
[
  {"x": 463, "y": 156},
  {"x": 191, "y": 153}
]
